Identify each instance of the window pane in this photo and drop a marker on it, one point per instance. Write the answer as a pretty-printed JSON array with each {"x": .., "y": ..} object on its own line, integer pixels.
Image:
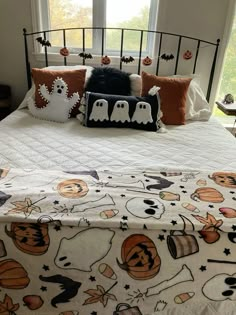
[
  {"x": 127, "y": 14},
  {"x": 228, "y": 78},
  {"x": 70, "y": 13}
]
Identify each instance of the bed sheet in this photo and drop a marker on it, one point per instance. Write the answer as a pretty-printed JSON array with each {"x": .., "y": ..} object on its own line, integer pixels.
[{"x": 29, "y": 142}]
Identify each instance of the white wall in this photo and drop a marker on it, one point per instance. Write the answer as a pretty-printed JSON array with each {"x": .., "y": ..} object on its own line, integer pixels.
[{"x": 194, "y": 18}]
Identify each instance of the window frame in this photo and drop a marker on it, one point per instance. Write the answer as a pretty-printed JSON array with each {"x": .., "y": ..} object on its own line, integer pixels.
[{"x": 41, "y": 21}]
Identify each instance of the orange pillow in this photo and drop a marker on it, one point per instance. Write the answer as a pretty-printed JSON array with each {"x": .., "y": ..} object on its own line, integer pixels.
[
  {"x": 75, "y": 80},
  {"x": 173, "y": 94}
]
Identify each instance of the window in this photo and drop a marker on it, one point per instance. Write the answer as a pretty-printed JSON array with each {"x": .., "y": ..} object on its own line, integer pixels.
[
  {"x": 133, "y": 14},
  {"x": 228, "y": 77}
]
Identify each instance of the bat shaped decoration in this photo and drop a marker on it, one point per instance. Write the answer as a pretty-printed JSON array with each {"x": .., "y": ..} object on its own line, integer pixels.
[
  {"x": 127, "y": 59},
  {"x": 43, "y": 42},
  {"x": 167, "y": 57},
  {"x": 86, "y": 56},
  {"x": 69, "y": 286}
]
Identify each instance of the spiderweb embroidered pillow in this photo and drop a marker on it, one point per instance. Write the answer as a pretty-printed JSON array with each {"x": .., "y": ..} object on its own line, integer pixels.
[
  {"x": 75, "y": 80},
  {"x": 104, "y": 110}
]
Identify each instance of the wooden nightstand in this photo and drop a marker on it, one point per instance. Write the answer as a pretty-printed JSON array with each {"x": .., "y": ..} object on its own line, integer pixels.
[
  {"x": 5, "y": 101},
  {"x": 230, "y": 110}
]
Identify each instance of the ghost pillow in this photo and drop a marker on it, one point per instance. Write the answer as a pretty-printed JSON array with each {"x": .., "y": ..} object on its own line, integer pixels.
[
  {"x": 120, "y": 111},
  {"x": 59, "y": 104}
]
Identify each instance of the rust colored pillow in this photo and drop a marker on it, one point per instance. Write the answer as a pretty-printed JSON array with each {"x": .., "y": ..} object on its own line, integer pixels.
[
  {"x": 173, "y": 94},
  {"x": 75, "y": 80}
]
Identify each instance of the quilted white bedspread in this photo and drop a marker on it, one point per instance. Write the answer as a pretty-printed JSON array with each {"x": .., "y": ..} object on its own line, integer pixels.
[
  {"x": 33, "y": 143},
  {"x": 88, "y": 237}
]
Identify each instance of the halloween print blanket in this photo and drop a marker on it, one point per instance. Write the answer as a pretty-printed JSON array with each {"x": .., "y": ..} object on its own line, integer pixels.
[{"x": 117, "y": 243}]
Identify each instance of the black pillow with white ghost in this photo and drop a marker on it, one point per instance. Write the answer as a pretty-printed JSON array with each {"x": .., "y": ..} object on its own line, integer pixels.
[{"x": 120, "y": 111}]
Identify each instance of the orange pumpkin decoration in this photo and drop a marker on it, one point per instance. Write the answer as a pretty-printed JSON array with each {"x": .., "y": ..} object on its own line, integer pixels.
[
  {"x": 140, "y": 257},
  {"x": 13, "y": 275},
  {"x": 105, "y": 60},
  {"x": 147, "y": 61},
  {"x": 224, "y": 179},
  {"x": 30, "y": 238},
  {"x": 207, "y": 194},
  {"x": 187, "y": 55},
  {"x": 64, "y": 52},
  {"x": 72, "y": 188}
]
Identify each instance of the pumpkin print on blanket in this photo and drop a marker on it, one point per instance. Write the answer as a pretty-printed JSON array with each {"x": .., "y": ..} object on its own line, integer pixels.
[
  {"x": 224, "y": 179},
  {"x": 207, "y": 194},
  {"x": 13, "y": 275},
  {"x": 30, "y": 238},
  {"x": 72, "y": 188},
  {"x": 140, "y": 257}
]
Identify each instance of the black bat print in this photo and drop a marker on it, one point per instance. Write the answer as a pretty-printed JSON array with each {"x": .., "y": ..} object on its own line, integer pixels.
[
  {"x": 161, "y": 183},
  {"x": 43, "y": 42},
  {"x": 92, "y": 173},
  {"x": 69, "y": 286}
]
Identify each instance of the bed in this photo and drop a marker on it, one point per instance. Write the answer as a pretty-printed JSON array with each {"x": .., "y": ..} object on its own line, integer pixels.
[{"x": 99, "y": 220}]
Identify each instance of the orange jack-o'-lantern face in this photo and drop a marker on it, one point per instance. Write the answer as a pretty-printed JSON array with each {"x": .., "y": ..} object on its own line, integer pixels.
[
  {"x": 187, "y": 55},
  {"x": 106, "y": 60},
  {"x": 64, "y": 52},
  {"x": 72, "y": 188},
  {"x": 224, "y": 179},
  {"x": 147, "y": 61},
  {"x": 140, "y": 257}
]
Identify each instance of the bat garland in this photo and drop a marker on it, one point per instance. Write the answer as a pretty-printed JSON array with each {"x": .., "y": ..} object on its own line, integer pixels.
[
  {"x": 127, "y": 59},
  {"x": 43, "y": 42},
  {"x": 85, "y": 55},
  {"x": 167, "y": 57}
]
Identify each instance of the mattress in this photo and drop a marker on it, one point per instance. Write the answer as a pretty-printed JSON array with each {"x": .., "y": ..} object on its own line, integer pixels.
[
  {"x": 116, "y": 221},
  {"x": 29, "y": 142}
]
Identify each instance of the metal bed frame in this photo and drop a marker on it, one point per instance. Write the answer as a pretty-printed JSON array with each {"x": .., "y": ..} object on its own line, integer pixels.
[{"x": 45, "y": 35}]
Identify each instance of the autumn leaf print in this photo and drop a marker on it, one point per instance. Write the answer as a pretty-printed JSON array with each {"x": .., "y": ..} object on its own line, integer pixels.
[
  {"x": 210, "y": 229},
  {"x": 26, "y": 206},
  {"x": 99, "y": 295},
  {"x": 7, "y": 307}
]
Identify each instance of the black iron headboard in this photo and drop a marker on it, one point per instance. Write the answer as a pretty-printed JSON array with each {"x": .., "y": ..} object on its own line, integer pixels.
[{"x": 43, "y": 38}]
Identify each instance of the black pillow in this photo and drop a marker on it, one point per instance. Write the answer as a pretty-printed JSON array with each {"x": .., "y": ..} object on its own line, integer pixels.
[
  {"x": 104, "y": 110},
  {"x": 109, "y": 81}
]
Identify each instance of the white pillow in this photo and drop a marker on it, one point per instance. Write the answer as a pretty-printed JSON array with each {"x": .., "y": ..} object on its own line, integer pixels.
[
  {"x": 197, "y": 107},
  {"x": 31, "y": 92}
]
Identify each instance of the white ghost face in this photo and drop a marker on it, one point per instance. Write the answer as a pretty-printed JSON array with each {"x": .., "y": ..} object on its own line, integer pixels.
[
  {"x": 59, "y": 87},
  {"x": 99, "y": 110},
  {"x": 120, "y": 112},
  {"x": 145, "y": 208},
  {"x": 142, "y": 113},
  {"x": 221, "y": 287},
  {"x": 81, "y": 251}
]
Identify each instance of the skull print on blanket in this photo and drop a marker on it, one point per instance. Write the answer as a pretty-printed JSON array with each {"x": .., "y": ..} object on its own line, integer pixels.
[{"x": 104, "y": 110}]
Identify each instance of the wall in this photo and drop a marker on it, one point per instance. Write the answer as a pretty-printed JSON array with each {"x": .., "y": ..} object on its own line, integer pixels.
[
  {"x": 14, "y": 16},
  {"x": 201, "y": 18}
]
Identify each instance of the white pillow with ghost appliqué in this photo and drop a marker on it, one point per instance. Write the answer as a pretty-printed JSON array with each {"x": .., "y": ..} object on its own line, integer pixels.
[
  {"x": 59, "y": 105},
  {"x": 105, "y": 110}
]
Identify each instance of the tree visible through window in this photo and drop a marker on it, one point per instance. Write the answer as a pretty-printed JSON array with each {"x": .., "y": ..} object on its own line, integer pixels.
[
  {"x": 134, "y": 14},
  {"x": 228, "y": 78}
]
